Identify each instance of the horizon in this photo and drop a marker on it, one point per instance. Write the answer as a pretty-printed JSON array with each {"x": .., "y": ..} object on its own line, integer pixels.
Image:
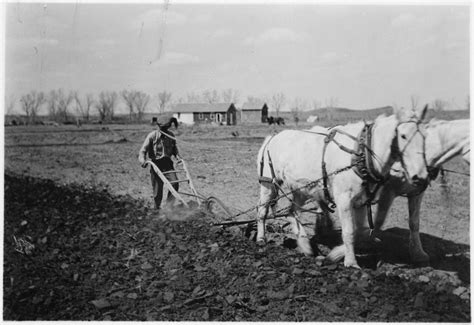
[{"x": 366, "y": 56}]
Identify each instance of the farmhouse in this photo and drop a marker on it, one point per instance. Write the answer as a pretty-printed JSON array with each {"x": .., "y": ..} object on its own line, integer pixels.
[
  {"x": 254, "y": 112},
  {"x": 196, "y": 113}
]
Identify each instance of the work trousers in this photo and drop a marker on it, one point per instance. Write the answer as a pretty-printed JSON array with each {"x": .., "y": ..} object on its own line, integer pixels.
[{"x": 165, "y": 164}]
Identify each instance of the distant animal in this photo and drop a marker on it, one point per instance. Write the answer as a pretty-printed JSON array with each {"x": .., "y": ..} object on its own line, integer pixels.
[
  {"x": 312, "y": 118},
  {"x": 444, "y": 141},
  {"x": 317, "y": 165},
  {"x": 275, "y": 120}
]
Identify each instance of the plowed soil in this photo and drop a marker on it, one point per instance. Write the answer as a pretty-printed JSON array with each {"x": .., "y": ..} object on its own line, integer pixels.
[{"x": 81, "y": 241}]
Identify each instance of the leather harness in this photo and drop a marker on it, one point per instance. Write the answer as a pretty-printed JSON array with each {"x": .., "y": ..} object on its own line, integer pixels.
[{"x": 362, "y": 164}]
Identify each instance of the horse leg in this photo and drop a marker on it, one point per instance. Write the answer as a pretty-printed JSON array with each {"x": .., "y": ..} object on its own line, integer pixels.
[
  {"x": 298, "y": 229},
  {"x": 387, "y": 195},
  {"x": 345, "y": 210},
  {"x": 267, "y": 195},
  {"x": 417, "y": 254}
]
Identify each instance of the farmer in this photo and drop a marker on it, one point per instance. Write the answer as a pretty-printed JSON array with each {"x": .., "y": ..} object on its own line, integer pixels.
[{"x": 159, "y": 148}]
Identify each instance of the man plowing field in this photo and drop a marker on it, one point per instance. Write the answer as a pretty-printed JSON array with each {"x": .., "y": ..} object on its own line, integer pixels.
[{"x": 159, "y": 148}]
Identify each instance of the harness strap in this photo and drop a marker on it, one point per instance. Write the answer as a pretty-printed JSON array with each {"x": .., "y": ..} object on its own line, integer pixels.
[
  {"x": 270, "y": 164},
  {"x": 331, "y": 204},
  {"x": 369, "y": 217},
  {"x": 357, "y": 161},
  {"x": 364, "y": 168},
  {"x": 368, "y": 158}
]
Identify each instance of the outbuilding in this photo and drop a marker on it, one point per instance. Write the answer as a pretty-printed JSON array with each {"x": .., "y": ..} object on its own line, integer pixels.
[
  {"x": 254, "y": 113},
  {"x": 199, "y": 113}
]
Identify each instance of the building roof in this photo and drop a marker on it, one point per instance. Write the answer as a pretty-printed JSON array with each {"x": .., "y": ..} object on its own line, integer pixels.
[
  {"x": 201, "y": 107},
  {"x": 253, "y": 106}
]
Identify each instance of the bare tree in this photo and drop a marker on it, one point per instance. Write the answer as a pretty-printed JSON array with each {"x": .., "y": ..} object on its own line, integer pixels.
[
  {"x": 164, "y": 98},
  {"x": 141, "y": 102},
  {"x": 299, "y": 104},
  {"x": 58, "y": 104},
  {"x": 230, "y": 95},
  {"x": 10, "y": 104},
  {"x": 332, "y": 102},
  {"x": 414, "y": 99},
  {"x": 192, "y": 97},
  {"x": 439, "y": 105},
  {"x": 211, "y": 96},
  {"x": 179, "y": 100},
  {"x": 83, "y": 106},
  {"x": 52, "y": 105},
  {"x": 106, "y": 104},
  {"x": 315, "y": 104},
  {"x": 278, "y": 100},
  {"x": 255, "y": 100},
  {"x": 31, "y": 103},
  {"x": 129, "y": 98}
]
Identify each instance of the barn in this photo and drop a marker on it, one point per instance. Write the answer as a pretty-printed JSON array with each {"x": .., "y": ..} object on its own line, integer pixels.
[
  {"x": 254, "y": 113},
  {"x": 200, "y": 113}
]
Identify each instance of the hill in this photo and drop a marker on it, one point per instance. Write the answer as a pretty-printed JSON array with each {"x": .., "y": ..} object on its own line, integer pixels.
[{"x": 329, "y": 116}]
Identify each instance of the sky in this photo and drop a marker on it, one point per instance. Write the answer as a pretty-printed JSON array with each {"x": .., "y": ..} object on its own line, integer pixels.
[{"x": 363, "y": 56}]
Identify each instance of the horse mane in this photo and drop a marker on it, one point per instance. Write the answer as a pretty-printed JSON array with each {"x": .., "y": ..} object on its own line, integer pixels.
[
  {"x": 381, "y": 116},
  {"x": 434, "y": 122}
]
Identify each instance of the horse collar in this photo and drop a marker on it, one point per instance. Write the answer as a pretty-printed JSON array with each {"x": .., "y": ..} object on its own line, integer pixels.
[{"x": 362, "y": 160}]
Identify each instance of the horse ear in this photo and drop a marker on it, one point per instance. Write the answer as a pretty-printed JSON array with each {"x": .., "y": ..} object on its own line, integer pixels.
[{"x": 423, "y": 112}]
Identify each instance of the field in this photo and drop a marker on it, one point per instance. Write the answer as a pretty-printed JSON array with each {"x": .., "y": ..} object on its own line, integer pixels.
[{"x": 100, "y": 251}]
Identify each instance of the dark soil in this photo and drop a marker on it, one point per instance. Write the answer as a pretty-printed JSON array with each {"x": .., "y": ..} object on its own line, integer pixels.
[{"x": 96, "y": 256}]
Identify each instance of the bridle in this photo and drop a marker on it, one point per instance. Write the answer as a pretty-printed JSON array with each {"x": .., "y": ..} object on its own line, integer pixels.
[
  {"x": 363, "y": 162},
  {"x": 397, "y": 153}
]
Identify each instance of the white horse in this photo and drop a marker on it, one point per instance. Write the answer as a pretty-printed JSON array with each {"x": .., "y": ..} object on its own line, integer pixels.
[
  {"x": 444, "y": 141},
  {"x": 300, "y": 160}
]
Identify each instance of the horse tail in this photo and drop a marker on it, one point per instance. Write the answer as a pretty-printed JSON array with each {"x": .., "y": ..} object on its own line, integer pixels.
[{"x": 261, "y": 159}]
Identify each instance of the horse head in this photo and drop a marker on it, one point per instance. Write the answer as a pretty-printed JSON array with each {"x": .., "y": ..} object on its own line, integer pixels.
[{"x": 408, "y": 146}]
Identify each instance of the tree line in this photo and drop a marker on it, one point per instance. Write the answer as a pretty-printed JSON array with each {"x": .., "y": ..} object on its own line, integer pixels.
[
  {"x": 66, "y": 106},
  {"x": 63, "y": 106}
]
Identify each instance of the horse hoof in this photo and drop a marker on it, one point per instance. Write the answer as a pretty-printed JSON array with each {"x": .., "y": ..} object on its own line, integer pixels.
[
  {"x": 421, "y": 263},
  {"x": 352, "y": 265},
  {"x": 307, "y": 253},
  {"x": 261, "y": 242},
  {"x": 420, "y": 259},
  {"x": 336, "y": 254},
  {"x": 305, "y": 248}
]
